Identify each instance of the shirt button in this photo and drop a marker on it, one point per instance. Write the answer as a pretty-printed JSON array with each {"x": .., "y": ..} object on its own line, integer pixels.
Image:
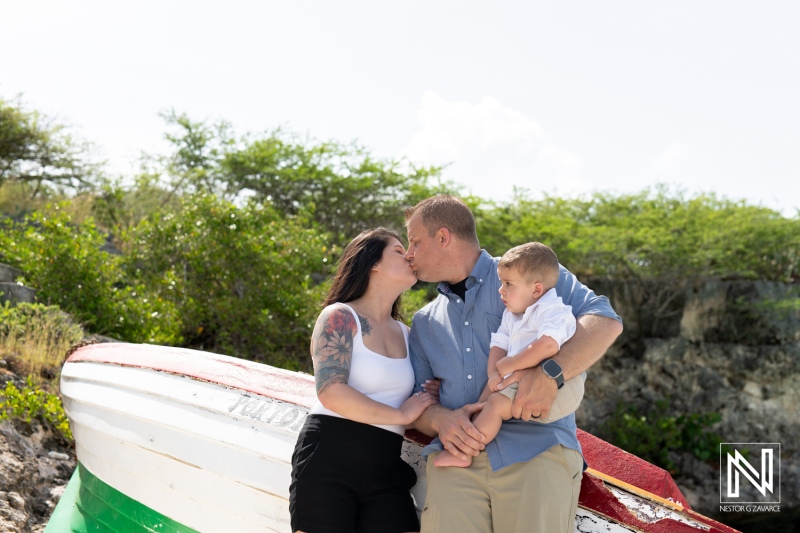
[
  {"x": 469, "y": 349},
  {"x": 469, "y": 376},
  {"x": 458, "y": 300},
  {"x": 466, "y": 323},
  {"x": 480, "y": 281}
]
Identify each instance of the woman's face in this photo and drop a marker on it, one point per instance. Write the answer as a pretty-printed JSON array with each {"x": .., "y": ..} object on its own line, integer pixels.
[{"x": 394, "y": 265}]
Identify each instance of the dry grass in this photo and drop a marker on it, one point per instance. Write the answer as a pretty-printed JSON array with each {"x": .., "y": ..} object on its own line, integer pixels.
[{"x": 34, "y": 338}]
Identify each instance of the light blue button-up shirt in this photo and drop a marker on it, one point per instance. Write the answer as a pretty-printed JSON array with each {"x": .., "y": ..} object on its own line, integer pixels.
[{"x": 450, "y": 338}]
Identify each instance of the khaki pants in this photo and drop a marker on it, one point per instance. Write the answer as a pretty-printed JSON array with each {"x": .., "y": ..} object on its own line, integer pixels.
[
  {"x": 568, "y": 398},
  {"x": 539, "y": 496}
]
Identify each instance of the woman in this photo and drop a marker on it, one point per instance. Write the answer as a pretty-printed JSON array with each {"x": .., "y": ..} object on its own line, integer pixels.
[{"x": 347, "y": 474}]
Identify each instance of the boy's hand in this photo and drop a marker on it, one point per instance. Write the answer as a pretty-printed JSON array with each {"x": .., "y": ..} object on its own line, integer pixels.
[
  {"x": 494, "y": 380},
  {"x": 504, "y": 366}
]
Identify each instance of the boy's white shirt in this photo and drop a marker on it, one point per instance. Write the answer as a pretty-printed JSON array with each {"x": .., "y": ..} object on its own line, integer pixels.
[{"x": 548, "y": 316}]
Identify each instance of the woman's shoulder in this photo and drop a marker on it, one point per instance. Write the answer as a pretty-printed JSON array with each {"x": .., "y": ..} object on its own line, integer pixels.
[{"x": 338, "y": 316}]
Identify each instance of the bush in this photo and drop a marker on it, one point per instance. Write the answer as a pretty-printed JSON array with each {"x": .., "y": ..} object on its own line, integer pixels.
[
  {"x": 240, "y": 276},
  {"x": 655, "y": 435},
  {"x": 68, "y": 266},
  {"x": 32, "y": 402}
]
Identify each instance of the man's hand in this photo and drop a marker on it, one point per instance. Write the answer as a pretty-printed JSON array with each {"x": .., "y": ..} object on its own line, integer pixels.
[
  {"x": 457, "y": 433},
  {"x": 535, "y": 395}
]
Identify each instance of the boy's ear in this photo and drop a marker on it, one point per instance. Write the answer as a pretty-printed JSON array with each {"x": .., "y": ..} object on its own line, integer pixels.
[{"x": 538, "y": 289}]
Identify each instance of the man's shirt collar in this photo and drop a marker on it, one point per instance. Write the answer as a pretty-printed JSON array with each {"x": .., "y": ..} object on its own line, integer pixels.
[{"x": 479, "y": 274}]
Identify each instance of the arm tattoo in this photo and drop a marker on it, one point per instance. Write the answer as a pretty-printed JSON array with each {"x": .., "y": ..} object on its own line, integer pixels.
[
  {"x": 365, "y": 327},
  {"x": 332, "y": 347}
]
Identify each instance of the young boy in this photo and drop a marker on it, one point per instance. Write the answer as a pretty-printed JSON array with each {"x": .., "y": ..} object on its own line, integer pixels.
[{"x": 535, "y": 324}]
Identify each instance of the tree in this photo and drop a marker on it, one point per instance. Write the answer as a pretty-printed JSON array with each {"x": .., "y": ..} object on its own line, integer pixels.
[
  {"x": 36, "y": 150},
  {"x": 342, "y": 186},
  {"x": 240, "y": 276}
]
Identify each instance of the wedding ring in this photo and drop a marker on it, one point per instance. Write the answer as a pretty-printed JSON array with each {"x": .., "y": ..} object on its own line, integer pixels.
[{"x": 416, "y": 394}]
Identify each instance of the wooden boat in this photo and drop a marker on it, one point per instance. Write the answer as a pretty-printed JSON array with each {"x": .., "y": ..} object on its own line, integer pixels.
[{"x": 175, "y": 440}]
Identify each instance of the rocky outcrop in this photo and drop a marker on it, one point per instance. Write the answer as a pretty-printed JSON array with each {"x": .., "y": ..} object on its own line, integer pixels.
[
  {"x": 11, "y": 289},
  {"x": 35, "y": 466},
  {"x": 727, "y": 347}
]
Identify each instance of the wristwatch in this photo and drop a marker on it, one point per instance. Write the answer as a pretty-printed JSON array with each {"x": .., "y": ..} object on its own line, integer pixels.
[{"x": 553, "y": 370}]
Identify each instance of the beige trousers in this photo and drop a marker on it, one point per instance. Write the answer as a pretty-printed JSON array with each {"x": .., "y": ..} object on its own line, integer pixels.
[
  {"x": 567, "y": 400},
  {"x": 539, "y": 496}
]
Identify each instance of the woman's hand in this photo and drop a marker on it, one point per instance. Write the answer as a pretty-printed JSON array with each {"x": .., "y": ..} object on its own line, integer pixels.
[
  {"x": 415, "y": 405},
  {"x": 433, "y": 386}
]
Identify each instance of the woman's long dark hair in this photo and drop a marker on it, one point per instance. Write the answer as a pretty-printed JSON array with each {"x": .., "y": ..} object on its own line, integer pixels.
[{"x": 352, "y": 274}]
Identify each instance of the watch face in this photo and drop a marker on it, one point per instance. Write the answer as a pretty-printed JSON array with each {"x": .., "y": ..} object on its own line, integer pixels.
[{"x": 551, "y": 368}]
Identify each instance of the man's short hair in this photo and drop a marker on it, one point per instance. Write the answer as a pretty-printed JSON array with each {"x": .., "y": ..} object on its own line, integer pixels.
[
  {"x": 445, "y": 211},
  {"x": 534, "y": 261}
]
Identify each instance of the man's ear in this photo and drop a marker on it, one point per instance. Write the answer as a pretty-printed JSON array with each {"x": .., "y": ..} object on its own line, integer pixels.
[{"x": 443, "y": 237}]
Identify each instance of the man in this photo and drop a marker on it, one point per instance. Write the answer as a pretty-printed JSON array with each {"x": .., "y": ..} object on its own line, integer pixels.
[{"x": 528, "y": 478}]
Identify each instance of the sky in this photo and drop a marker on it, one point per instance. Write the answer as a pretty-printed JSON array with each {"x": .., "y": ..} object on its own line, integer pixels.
[{"x": 560, "y": 98}]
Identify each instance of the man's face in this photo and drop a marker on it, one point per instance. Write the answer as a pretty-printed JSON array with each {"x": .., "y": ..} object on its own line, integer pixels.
[{"x": 422, "y": 250}]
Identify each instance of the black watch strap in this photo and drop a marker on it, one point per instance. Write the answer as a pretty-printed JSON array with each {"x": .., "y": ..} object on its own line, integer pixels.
[{"x": 553, "y": 370}]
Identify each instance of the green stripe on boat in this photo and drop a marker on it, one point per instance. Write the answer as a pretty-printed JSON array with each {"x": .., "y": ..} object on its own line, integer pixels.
[{"x": 89, "y": 504}]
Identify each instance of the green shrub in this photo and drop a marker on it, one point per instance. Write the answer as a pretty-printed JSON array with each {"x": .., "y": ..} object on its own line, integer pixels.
[
  {"x": 65, "y": 262},
  {"x": 240, "y": 276},
  {"x": 32, "y": 402},
  {"x": 656, "y": 233},
  {"x": 652, "y": 435},
  {"x": 411, "y": 302}
]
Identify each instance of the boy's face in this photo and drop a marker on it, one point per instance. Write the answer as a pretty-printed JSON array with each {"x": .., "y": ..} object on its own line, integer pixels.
[{"x": 517, "y": 292}]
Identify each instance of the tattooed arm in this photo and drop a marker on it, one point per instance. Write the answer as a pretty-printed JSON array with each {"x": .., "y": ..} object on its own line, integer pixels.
[{"x": 332, "y": 354}]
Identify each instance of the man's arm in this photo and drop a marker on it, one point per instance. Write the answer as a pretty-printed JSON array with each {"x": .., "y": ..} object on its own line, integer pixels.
[
  {"x": 454, "y": 428},
  {"x": 593, "y": 336}
]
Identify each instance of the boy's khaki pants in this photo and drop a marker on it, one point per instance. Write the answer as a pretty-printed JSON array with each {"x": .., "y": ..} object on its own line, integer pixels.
[{"x": 538, "y": 496}]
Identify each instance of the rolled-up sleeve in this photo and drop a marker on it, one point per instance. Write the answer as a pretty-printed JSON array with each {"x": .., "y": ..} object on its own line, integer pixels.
[
  {"x": 581, "y": 298},
  {"x": 558, "y": 323}
]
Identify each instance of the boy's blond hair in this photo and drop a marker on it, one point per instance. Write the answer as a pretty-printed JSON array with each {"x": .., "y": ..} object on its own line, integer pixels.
[{"x": 535, "y": 262}]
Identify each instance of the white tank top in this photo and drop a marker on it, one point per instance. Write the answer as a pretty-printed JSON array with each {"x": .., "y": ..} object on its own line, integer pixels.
[{"x": 383, "y": 379}]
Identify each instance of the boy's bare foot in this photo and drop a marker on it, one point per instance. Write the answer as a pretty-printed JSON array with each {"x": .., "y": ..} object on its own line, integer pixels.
[{"x": 446, "y": 458}]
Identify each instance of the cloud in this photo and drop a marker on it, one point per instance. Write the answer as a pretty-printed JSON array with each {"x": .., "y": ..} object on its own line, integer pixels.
[{"x": 492, "y": 148}]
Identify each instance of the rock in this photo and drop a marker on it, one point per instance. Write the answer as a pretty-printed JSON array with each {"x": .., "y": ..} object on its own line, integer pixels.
[
  {"x": 32, "y": 480},
  {"x": 14, "y": 292},
  {"x": 16, "y": 501},
  {"x": 725, "y": 347},
  {"x": 59, "y": 456}
]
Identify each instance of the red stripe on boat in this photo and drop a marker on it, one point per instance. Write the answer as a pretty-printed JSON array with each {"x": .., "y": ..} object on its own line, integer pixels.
[{"x": 285, "y": 385}]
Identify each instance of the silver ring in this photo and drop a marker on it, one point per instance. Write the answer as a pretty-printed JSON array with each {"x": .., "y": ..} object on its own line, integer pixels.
[{"x": 416, "y": 394}]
